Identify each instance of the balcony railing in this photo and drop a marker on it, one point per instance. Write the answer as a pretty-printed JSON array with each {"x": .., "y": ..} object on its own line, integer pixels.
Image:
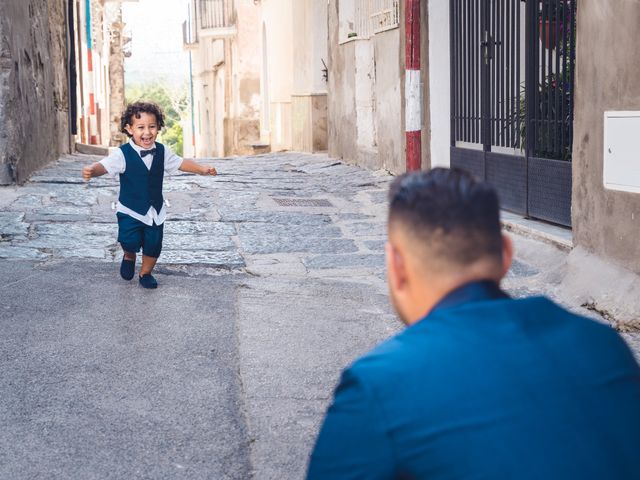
[
  {"x": 361, "y": 19},
  {"x": 385, "y": 15},
  {"x": 215, "y": 18}
]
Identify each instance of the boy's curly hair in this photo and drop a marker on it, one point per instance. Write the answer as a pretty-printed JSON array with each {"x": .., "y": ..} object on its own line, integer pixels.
[{"x": 134, "y": 110}]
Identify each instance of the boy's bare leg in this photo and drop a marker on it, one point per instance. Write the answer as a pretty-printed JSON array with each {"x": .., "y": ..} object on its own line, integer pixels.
[
  {"x": 147, "y": 265},
  {"x": 129, "y": 255}
]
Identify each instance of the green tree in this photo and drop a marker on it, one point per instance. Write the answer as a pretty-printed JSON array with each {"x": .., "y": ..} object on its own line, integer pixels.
[
  {"x": 174, "y": 137},
  {"x": 174, "y": 104}
]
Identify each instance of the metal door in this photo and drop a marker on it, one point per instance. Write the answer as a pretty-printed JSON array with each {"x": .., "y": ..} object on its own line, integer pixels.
[{"x": 512, "y": 100}]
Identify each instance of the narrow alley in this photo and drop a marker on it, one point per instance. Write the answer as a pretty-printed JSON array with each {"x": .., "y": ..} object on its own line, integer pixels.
[
  {"x": 271, "y": 282},
  {"x": 272, "y": 277}
]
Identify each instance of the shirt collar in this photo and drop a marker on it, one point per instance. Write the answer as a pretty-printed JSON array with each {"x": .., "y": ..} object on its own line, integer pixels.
[
  {"x": 133, "y": 144},
  {"x": 471, "y": 292},
  {"x": 137, "y": 148}
]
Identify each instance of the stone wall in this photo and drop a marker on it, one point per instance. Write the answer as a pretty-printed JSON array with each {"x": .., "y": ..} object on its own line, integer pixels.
[
  {"x": 309, "y": 99},
  {"x": 365, "y": 124},
  {"x": 244, "y": 81},
  {"x": 117, "y": 100},
  {"x": 33, "y": 86},
  {"x": 605, "y": 222},
  {"x": 342, "y": 96}
]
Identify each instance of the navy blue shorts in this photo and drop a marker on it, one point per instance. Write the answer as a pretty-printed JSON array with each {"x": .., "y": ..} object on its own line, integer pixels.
[{"x": 133, "y": 234}]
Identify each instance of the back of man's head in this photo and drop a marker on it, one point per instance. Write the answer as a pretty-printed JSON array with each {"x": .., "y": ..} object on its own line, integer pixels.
[{"x": 451, "y": 220}]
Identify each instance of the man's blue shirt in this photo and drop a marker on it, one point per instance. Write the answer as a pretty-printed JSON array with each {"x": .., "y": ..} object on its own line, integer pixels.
[{"x": 487, "y": 387}]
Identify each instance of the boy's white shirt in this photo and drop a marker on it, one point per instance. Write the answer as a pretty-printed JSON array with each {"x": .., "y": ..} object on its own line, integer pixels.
[{"x": 115, "y": 164}]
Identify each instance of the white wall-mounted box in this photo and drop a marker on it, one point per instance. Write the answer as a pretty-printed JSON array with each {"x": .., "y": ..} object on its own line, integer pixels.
[{"x": 622, "y": 151}]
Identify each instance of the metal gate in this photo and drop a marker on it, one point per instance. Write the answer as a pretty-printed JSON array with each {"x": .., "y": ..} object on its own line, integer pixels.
[{"x": 512, "y": 76}]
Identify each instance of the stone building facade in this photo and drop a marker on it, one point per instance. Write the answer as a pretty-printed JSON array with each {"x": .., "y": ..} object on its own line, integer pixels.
[
  {"x": 99, "y": 43},
  {"x": 258, "y": 76},
  {"x": 604, "y": 214},
  {"x": 293, "y": 40},
  {"x": 61, "y": 80},
  {"x": 606, "y": 218},
  {"x": 34, "y": 86},
  {"x": 117, "y": 52},
  {"x": 366, "y": 73},
  {"x": 225, "y": 77},
  {"x": 589, "y": 189}
]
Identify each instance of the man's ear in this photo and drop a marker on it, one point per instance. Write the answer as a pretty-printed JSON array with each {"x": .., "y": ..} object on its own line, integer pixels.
[
  {"x": 507, "y": 253},
  {"x": 396, "y": 268}
]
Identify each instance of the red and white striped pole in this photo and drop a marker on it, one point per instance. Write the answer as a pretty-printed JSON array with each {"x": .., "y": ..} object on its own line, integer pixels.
[{"x": 413, "y": 106}]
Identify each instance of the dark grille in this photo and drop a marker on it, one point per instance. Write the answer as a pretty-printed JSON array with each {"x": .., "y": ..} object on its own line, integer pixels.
[
  {"x": 512, "y": 83},
  {"x": 550, "y": 190},
  {"x": 508, "y": 173}
]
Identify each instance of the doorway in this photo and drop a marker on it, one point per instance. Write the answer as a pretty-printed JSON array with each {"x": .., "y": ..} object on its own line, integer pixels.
[{"x": 512, "y": 77}]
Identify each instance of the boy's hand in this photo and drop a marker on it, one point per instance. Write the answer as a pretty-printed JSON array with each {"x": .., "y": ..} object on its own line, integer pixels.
[
  {"x": 93, "y": 170},
  {"x": 87, "y": 172},
  {"x": 209, "y": 171},
  {"x": 192, "y": 166}
]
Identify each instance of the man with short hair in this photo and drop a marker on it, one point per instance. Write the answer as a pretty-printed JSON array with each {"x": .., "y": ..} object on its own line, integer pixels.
[{"x": 479, "y": 385}]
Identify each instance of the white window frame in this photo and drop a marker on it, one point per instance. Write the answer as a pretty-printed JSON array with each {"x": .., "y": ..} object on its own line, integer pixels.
[
  {"x": 385, "y": 15},
  {"x": 354, "y": 20},
  {"x": 361, "y": 19}
]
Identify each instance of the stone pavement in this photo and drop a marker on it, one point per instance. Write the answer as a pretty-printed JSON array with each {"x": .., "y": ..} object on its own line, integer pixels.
[{"x": 271, "y": 281}]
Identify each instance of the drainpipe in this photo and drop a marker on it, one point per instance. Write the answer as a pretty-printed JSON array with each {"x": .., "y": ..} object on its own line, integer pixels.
[{"x": 413, "y": 104}]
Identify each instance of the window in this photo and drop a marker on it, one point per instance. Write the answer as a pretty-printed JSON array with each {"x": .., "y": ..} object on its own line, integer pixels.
[
  {"x": 354, "y": 20},
  {"x": 385, "y": 15},
  {"x": 359, "y": 19}
]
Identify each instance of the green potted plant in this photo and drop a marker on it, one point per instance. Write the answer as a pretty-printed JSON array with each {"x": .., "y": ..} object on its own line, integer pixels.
[{"x": 554, "y": 91}]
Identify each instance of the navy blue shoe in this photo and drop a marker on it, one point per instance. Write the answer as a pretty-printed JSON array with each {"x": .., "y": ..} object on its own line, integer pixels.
[
  {"x": 127, "y": 267},
  {"x": 147, "y": 281}
]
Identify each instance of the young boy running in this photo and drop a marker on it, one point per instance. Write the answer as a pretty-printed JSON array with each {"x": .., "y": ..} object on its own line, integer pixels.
[{"x": 141, "y": 164}]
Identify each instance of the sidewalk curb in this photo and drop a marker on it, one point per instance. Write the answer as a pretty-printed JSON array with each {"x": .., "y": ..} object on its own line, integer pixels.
[
  {"x": 92, "y": 149},
  {"x": 535, "y": 234}
]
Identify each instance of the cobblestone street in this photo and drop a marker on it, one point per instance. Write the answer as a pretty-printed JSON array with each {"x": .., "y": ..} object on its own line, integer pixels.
[
  {"x": 257, "y": 214},
  {"x": 271, "y": 281}
]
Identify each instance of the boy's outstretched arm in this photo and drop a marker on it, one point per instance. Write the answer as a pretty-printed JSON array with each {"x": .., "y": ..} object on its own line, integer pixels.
[
  {"x": 193, "y": 167},
  {"x": 93, "y": 170}
]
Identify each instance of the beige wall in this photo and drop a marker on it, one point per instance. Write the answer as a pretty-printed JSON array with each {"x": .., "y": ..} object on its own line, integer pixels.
[
  {"x": 207, "y": 59},
  {"x": 342, "y": 99},
  {"x": 294, "y": 91},
  {"x": 389, "y": 101},
  {"x": 365, "y": 98},
  {"x": 277, "y": 16},
  {"x": 277, "y": 20},
  {"x": 607, "y": 78},
  {"x": 244, "y": 80},
  {"x": 424, "y": 72},
  {"x": 116, "y": 98},
  {"x": 309, "y": 89},
  {"x": 309, "y": 123}
]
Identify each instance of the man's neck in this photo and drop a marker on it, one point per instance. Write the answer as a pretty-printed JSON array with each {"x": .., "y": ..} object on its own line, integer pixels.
[{"x": 433, "y": 297}]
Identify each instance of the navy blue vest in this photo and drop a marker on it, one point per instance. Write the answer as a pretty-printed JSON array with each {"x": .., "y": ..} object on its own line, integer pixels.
[{"x": 141, "y": 188}]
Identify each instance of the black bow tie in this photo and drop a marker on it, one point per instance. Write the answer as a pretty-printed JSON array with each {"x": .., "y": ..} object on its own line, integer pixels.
[{"x": 144, "y": 153}]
